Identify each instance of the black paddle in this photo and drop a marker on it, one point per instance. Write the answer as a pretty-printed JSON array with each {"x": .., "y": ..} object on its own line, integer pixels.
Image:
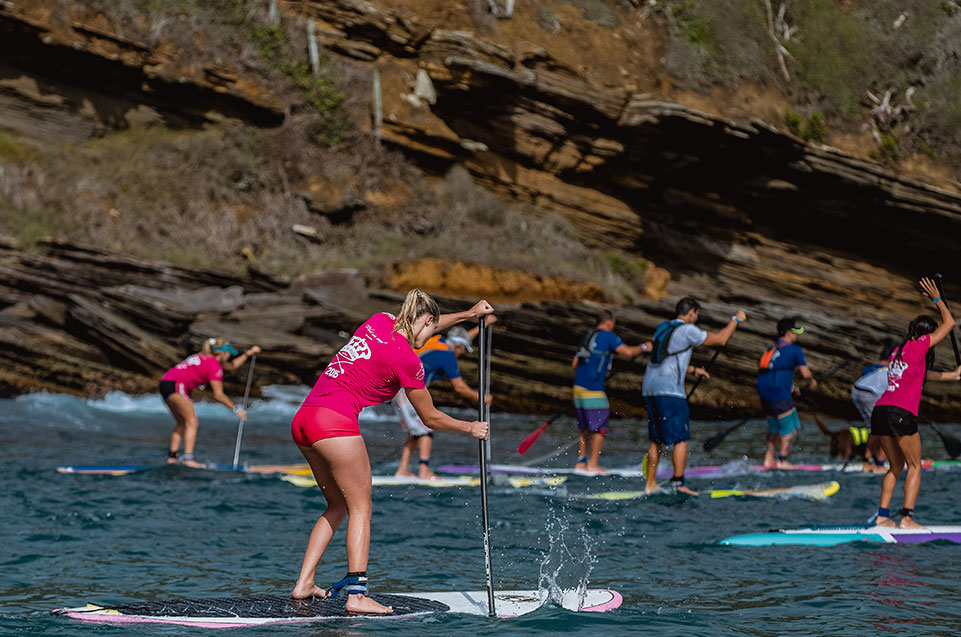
[
  {"x": 711, "y": 443},
  {"x": 707, "y": 368},
  {"x": 951, "y": 444},
  {"x": 483, "y": 385}
]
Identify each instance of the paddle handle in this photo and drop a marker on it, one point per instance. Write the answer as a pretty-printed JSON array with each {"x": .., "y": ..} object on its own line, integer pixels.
[
  {"x": 939, "y": 281},
  {"x": 240, "y": 425},
  {"x": 697, "y": 381},
  {"x": 482, "y": 384}
]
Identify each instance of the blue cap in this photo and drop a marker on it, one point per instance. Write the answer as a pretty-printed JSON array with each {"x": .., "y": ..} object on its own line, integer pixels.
[{"x": 226, "y": 347}]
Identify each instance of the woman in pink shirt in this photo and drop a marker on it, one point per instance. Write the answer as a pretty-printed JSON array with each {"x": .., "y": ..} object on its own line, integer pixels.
[
  {"x": 895, "y": 416},
  {"x": 206, "y": 367},
  {"x": 371, "y": 368}
]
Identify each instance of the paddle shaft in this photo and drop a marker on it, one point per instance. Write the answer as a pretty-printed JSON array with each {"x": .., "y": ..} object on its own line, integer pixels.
[
  {"x": 482, "y": 383},
  {"x": 240, "y": 425},
  {"x": 939, "y": 281},
  {"x": 707, "y": 368},
  {"x": 487, "y": 390}
]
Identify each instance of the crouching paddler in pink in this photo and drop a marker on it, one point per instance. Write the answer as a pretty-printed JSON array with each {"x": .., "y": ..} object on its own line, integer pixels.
[
  {"x": 206, "y": 367},
  {"x": 370, "y": 369}
]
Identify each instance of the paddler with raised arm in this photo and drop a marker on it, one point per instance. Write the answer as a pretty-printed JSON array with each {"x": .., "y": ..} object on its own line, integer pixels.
[
  {"x": 591, "y": 363},
  {"x": 668, "y": 414},
  {"x": 376, "y": 363}
]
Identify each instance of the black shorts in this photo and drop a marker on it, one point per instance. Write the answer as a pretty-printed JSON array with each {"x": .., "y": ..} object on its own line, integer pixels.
[
  {"x": 888, "y": 420},
  {"x": 167, "y": 387},
  {"x": 775, "y": 408}
]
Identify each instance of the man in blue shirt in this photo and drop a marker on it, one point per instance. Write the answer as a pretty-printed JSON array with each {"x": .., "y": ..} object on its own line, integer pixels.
[
  {"x": 591, "y": 363},
  {"x": 775, "y": 386},
  {"x": 439, "y": 357}
]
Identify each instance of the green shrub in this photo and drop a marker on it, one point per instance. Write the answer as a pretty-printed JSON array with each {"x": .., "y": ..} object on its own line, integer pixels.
[
  {"x": 15, "y": 151},
  {"x": 815, "y": 130},
  {"x": 320, "y": 91},
  {"x": 793, "y": 122},
  {"x": 888, "y": 151}
]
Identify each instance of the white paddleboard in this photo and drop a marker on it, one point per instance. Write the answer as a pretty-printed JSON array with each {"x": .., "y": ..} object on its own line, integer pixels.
[
  {"x": 255, "y": 611},
  {"x": 517, "y": 482}
]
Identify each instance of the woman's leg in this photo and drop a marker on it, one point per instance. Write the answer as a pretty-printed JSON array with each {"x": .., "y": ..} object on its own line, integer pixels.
[
  {"x": 186, "y": 429},
  {"x": 324, "y": 529},
  {"x": 910, "y": 446},
  {"x": 890, "y": 479},
  {"x": 349, "y": 466}
]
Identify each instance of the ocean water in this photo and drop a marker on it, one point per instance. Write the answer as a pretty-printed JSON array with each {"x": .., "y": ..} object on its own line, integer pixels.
[{"x": 174, "y": 533}]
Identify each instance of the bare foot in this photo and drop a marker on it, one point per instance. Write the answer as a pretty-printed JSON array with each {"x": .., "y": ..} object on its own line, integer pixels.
[
  {"x": 870, "y": 467},
  {"x": 784, "y": 464},
  {"x": 687, "y": 490},
  {"x": 193, "y": 464},
  {"x": 596, "y": 469},
  {"x": 908, "y": 523},
  {"x": 650, "y": 488},
  {"x": 426, "y": 474},
  {"x": 883, "y": 521},
  {"x": 580, "y": 466},
  {"x": 171, "y": 461},
  {"x": 362, "y": 604},
  {"x": 307, "y": 591},
  {"x": 404, "y": 472}
]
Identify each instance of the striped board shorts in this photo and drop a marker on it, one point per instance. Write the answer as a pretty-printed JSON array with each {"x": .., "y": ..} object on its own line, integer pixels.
[{"x": 593, "y": 410}]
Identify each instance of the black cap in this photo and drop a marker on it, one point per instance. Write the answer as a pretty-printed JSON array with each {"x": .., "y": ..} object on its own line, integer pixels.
[{"x": 789, "y": 323}]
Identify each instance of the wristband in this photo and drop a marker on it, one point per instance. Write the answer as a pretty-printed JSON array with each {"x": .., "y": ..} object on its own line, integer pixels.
[
  {"x": 643, "y": 347},
  {"x": 936, "y": 299},
  {"x": 236, "y": 408},
  {"x": 736, "y": 320}
]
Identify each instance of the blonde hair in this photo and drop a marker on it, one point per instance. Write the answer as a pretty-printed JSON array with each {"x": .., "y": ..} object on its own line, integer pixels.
[
  {"x": 210, "y": 344},
  {"x": 416, "y": 304}
]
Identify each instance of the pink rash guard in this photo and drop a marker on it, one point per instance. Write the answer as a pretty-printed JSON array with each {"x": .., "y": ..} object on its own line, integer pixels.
[{"x": 194, "y": 371}]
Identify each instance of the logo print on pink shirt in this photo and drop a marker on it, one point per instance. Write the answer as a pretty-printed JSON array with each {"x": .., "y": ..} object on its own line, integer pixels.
[
  {"x": 895, "y": 371},
  {"x": 356, "y": 348}
]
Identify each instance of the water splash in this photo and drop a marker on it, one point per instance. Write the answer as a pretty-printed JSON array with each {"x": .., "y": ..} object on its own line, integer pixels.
[{"x": 566, "y": 566}]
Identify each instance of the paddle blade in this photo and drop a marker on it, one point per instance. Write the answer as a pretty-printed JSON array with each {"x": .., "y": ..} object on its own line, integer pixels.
[
  {"x": 952, "y": 445},
  {"x": 714, "y": 441},
  {"x": 531, "y": 438}
]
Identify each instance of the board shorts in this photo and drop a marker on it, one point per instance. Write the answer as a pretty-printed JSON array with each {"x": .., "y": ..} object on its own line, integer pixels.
[
  {"x": 864, "y": 400},
  {"x": 781, "y": 426},
  {"x": 313, "y": 422},
  {"x": 668, "y": 420},
  {"x": 889, "y": 420},
  {"x": 409, "y": 419},
  {"x": 593, "y": 410},
  {"x": 170, "y": 387}
]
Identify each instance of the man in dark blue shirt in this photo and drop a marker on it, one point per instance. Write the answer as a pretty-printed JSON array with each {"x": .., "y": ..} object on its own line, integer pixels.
[
  {"x": 591, "y": 364},
  {"x": 775, "y": 386},
  {"x": 439, "y": 357}
]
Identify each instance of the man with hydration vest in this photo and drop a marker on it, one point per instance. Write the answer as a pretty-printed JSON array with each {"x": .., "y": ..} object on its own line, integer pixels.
[
  {"x": 775, "y": 387},
  {"x": 591, "y": 363},
  {"x": 669, "y": 419},
  {"x": 439, "y": 357}
]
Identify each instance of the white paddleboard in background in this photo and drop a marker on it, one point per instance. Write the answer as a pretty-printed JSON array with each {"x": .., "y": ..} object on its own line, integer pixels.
[{"x": 253, "y": 611}]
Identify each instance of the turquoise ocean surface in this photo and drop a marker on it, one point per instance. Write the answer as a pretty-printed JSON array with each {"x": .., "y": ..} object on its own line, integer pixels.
[{"x": 178, "y": 533}]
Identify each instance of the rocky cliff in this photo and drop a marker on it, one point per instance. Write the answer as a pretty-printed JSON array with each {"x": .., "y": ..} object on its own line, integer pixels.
[{"x": 743, "y": 215}]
